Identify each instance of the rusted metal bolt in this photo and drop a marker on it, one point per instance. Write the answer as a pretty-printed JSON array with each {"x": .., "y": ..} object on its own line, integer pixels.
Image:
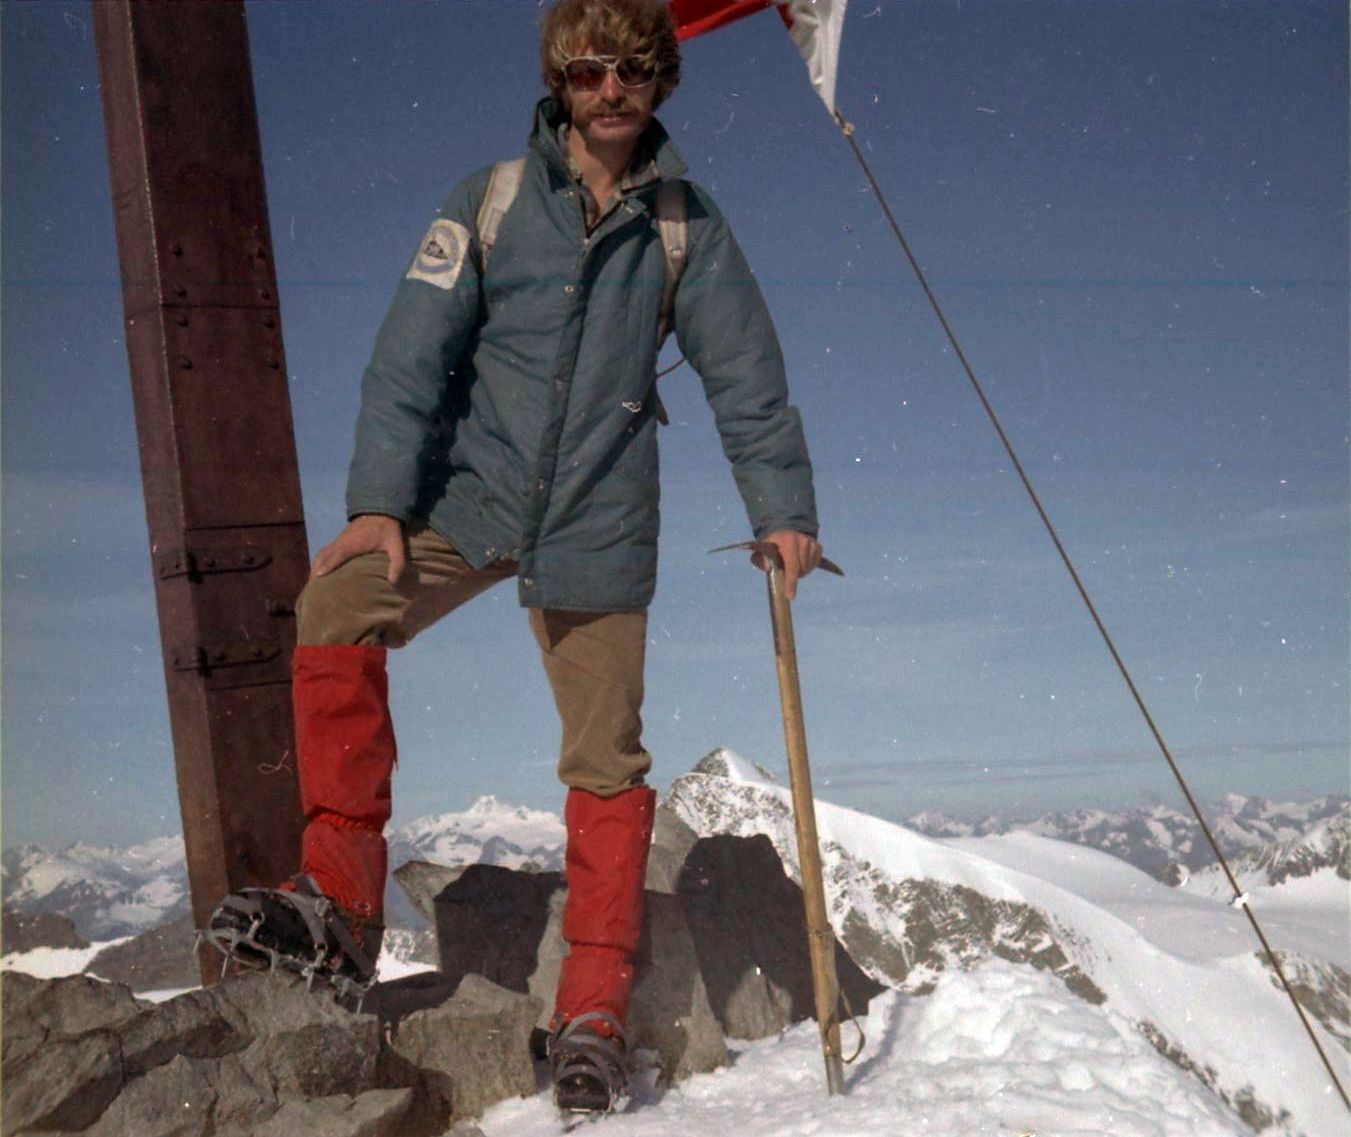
[{"x": 185, "y": 363}]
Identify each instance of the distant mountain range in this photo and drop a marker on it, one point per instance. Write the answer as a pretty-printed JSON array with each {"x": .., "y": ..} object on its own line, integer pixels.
[
  {"x": 112, "y": 891},
  {"x": 1255, "y": 834},
  {"x": 109, "y": 891}
]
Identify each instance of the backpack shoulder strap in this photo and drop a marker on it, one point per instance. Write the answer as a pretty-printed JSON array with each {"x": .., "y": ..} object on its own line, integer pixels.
[
  {"x": 503, "y": 185},
  {"x": 673, "y": 228}
]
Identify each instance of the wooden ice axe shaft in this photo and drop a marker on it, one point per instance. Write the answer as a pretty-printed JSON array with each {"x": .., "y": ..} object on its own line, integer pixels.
[{"x": 820, "y": 936}]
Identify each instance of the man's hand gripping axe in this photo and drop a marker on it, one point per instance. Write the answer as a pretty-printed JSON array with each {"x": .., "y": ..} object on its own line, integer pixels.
[{"x": 820, "y": 937}]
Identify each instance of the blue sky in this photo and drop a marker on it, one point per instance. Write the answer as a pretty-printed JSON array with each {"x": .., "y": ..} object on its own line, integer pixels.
[{"x": 1135, "y": 215}]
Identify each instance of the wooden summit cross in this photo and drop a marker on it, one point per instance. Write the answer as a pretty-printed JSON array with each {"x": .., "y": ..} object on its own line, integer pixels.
[{"x": 213, "y": 417}]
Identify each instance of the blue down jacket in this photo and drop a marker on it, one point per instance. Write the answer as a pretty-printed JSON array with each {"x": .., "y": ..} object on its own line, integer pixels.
[{"x": 514, "y": 409}]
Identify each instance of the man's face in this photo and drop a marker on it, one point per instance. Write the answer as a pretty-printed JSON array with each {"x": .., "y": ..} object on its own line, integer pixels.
[{"x": 612, "y": 114}]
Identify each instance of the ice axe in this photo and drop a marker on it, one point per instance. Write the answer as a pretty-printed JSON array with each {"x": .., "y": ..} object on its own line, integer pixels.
[{"x": 820, "y": 936}]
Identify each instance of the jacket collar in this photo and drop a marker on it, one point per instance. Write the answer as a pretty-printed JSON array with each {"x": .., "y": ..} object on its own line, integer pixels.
[{"x": 655, "y": 150}]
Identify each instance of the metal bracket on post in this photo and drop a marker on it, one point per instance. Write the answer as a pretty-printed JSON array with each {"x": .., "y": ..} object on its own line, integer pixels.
[
  {"x": 820, "y": 935},
  {"x": 203, "y": 659},
  {"x": 195, "y": 562}
]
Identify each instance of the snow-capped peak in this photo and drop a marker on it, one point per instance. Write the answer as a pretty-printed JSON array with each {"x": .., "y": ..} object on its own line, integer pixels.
[{"x": 725, "y": 763}]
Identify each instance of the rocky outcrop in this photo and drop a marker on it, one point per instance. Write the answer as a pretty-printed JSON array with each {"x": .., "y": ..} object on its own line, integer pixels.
[
  {"x": 950, "y": 925},
  {"x": 672, "y": 841},
  {"x": 747, "y": 921},
  {"x": 903, "y": 930},
  {"x": 724, "y": 950},
  {"x": 506, "y": 925},
  {"x": 21, "y": 931},
  {"x": 258, "y": 1054},
  {"x": 1323, "y": 990},
  {"x": 161, "y": 959},
  {"x": 460, "y": 1080},
  {"x": 1326, "y": 846}
]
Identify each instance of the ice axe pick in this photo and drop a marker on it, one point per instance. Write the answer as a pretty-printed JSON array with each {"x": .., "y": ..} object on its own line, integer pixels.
[{"x": 820, "y": 936}]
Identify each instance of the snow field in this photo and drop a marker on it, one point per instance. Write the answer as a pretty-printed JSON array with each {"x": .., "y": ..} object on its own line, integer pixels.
[
  {"x": 1001, "y": 1051},
  {"x": 52, "y": 963},
  {"x": 1185, "y": 964}
]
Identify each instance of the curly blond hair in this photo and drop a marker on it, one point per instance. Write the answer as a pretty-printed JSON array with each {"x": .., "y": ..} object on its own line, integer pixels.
[{"x": 610, "y": 27}]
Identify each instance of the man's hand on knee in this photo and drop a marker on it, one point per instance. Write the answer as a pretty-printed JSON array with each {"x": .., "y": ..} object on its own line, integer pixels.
[
  {"x": 368, "y": 533},
  {"x": 799, "y": 553}
]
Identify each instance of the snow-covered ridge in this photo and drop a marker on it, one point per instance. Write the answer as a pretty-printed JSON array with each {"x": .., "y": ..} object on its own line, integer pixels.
[
  {"x": 1000, "y": 1050},
  {"x": 1182, "y": 968}
]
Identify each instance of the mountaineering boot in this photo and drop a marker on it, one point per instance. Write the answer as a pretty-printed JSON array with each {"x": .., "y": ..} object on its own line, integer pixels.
[
  {"x": 330, "y": 917},
  {"x": 296, "y": 928},
  {"x": 605, "y": 867}
]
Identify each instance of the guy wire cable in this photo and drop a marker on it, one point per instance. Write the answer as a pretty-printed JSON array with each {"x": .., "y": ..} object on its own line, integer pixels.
[{"x": 1240, "y": 897}]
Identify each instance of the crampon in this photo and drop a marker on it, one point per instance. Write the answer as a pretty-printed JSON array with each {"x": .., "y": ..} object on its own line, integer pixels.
[
  {"x": 295, "y": 929},
  {"x": 590, "y": 1069}
]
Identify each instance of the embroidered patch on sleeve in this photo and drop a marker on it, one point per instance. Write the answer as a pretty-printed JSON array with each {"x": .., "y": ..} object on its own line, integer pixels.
[{"x": 441, "y": 254}]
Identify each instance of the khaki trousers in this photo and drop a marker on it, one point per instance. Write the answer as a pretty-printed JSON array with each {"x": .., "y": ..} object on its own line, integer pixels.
[{"x": 593, "y": 660}]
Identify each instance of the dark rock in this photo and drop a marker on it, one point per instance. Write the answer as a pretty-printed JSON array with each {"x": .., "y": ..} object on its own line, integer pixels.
[
  {"x": 22, "y": 931},
  {"x": 422, "y": 882},
  {"x": 394, "y": 1001},
  {"x": 173, "y": 1100},
  {"x": 672, "y": 841},
  {"x": 304, "y": 1042},
  {"x": 748, "y": 924},
  {"x": 45, "y": 1017},
  {"x": 161, "y": 959},
  {"x": 197, "y": 1024},
  {"x": 490, "y": 920},
  {"x": 87, "y": 1056},
  {"x": 506, "y": 925},
  {"x": 245, "y": 1094},
  {"x": 670, "y": 1012},
  {"x": 32, "y": 1009},
  {"x": 189, "y": 1096},
  {"x": 471, "y": 1051},
  {"x": 543, "y": 981},
  {"x": 376, "y": 1113},
  {"x": 65, "y": 1083}
]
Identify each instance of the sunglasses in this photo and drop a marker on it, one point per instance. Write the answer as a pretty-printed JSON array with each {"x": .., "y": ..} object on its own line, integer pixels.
[{"x": 587, "y": 72}]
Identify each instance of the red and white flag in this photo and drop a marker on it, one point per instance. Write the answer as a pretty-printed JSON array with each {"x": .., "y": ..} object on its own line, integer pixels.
[{"x": 815, "y": 25}]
